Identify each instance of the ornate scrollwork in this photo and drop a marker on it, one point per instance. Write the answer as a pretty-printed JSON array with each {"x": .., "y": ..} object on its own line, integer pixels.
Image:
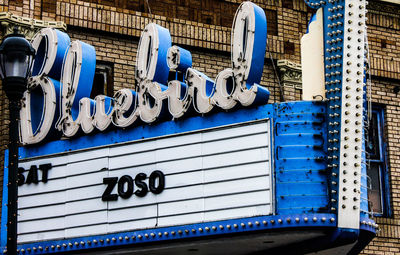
[
  {"x": 290, "y": 73},
  {"x": 27, "y": 26}
]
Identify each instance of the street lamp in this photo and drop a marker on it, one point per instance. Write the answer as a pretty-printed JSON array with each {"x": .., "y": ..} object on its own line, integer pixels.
[{"x": 16, "y": 57}]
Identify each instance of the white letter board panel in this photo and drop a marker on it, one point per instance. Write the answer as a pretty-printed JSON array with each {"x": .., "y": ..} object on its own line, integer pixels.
[{"x": 213, "y": 174}]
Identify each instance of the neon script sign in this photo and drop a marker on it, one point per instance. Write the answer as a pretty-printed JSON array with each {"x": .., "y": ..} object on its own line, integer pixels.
[{"x": 57, "y": 101}]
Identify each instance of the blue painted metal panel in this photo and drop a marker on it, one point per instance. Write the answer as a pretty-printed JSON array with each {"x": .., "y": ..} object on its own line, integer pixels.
[
  {"x": 302, "y": 188},
  {"x": 300, "y": 149},
  {"x": 291, "y": 164},
  {"x": 4, "y": 208},
  {"x": 298, "y": 152}
]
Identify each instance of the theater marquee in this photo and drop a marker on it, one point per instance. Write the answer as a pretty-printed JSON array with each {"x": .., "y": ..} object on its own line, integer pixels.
[{"x": 192, "y": 158}]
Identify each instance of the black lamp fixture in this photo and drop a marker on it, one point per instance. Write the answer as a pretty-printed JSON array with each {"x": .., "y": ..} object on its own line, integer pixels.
[{"x": 16, "y": 57}]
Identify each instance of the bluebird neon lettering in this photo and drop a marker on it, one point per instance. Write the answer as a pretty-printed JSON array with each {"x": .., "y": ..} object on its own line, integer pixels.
[{"x": 57, "y": 102}]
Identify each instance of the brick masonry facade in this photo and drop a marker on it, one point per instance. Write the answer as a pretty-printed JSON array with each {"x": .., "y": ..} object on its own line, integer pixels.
[{"x": 204, "y": 27}]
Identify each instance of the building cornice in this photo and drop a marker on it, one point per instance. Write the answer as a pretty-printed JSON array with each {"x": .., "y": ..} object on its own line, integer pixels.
[
  {"x": 290, "y": 73},
  {"x": 27, "y": 26}
]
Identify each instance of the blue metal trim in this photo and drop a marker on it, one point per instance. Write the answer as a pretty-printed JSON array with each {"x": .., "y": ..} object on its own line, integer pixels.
[
  {"x": 260, "y": 40},
  {"x": 185, "y": 59},
  {"x": 162, "y": 69},
  {"x": 367, "y": 224},
  {"x": 384, "y": 182},
  {"x": 4, "y": 209},
  {"x": 364, "y": 208},
  {"x": 388, "y": 207},
  {"x": 242, "y": 225},
  {"x": 63, "y": 42},
  {"x": 312, "y": 19},
  {"x": 37, "y": 102},
  {"x": 333, "y": 84},
  {"x": 86, "y": 77},
  {"x": 147, "y": 131}
]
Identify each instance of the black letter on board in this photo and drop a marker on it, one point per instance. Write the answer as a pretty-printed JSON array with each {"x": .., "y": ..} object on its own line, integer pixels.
[
  {"x": 139, "y": 181},
  {"x": 32, "y": 175},
  {"x": 21, "y": 177},
  {"x": 121, "y": 183},
  {"x": 45, "y": 171},
  {"x": 111, "y": 182},
  {"x": 161, "y": 182}
]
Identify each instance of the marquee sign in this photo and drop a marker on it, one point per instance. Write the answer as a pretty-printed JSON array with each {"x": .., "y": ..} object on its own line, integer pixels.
[
  {"x": 61, "y": 85},
  {"x": 161, "y": 181},
  {"x": 198, "y": 171}
]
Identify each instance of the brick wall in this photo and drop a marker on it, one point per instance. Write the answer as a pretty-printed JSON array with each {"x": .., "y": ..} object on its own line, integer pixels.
[{"x": 204, "y": 27}]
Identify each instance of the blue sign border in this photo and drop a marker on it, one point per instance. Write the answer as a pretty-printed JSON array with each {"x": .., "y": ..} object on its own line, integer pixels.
[{"x": 148, "y": 131}]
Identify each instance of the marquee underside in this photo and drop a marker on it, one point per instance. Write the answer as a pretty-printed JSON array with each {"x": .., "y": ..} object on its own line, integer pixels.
[{"x": 302, "y": 241}]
